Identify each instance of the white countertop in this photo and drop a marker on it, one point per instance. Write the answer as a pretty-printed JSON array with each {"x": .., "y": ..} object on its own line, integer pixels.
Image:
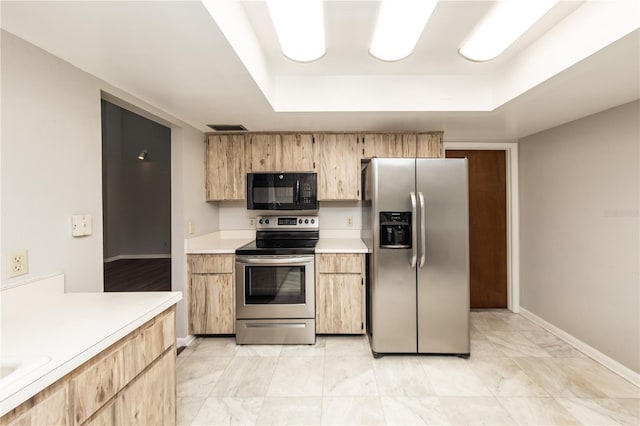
[
  {"x": 221, "y": 242},
  {"x": 60, "y": 331},
  {"x": 340, "y": 241}
]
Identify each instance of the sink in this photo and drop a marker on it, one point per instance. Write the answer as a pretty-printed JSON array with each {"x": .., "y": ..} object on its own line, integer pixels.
[
  {"x": 13, "y": 368},
  {"x": 6, "y": 370}
]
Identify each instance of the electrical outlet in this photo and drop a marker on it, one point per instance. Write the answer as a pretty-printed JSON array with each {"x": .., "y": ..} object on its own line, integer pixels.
[
  {"x": 350, "y": 221},
  {"x": 252, "y": 222},
  {"x": 191, "y": 228},
  {"x": 18, "y": 263}
]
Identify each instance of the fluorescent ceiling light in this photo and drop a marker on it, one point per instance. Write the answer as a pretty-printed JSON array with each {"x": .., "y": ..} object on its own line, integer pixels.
[
  {"x": 399, "y": 26},
  {"x": 505, "y": 22},
  {"x": 300, "y": 28}
]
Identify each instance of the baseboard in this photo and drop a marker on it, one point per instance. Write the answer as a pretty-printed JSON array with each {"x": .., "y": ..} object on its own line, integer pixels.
[
  {"x": 137, "y": 256},
  {"x": 185, "y": 341},
  {"x": 590, "y": 351}
]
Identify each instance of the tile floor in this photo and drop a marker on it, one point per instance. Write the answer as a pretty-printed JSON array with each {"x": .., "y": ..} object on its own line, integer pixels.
[{"x": 517, "y": 374}]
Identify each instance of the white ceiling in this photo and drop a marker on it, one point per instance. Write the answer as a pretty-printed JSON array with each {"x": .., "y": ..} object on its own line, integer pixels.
[{"x": 583, "y": 57}]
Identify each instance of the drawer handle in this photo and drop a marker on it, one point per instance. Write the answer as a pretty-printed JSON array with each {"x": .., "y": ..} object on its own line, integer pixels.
[{"x": 275, "y": 325}]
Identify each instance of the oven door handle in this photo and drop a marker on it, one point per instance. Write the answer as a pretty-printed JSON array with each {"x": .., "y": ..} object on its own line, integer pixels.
[{"x": 274, "y": 260}]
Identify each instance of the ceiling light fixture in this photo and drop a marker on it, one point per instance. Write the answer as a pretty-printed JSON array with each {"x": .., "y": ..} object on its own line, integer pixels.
[
  {"x": 505, "y": 22},
  {"x": 143, "y": 155},
  {"x": 399, "y": 25},
  {"x": 299, "y": 26}
]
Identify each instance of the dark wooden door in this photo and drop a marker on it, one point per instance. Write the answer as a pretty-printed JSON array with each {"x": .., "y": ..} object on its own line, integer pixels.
[{"x": 487, "y": 226}]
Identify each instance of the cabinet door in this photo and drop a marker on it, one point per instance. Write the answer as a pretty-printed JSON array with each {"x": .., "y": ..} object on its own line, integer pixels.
[
  {"x": 225, "y": 168},
  {"x": 409, "y": 145},
  {"x": 385, "y": 145},
  {"x": 389, "y": 145},
  {"x": 265, "y": 153},
  {"x": 339, "y": 171},
  {"x": 429, "y": 145},
  {"x": 339, "y": 304},
  {"x": 211, "y": 304},
  {"x": 297, "y": 153}
]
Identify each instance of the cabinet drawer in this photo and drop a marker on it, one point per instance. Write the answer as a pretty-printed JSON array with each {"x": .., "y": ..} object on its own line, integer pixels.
[
  {"x": 211, "y": 263},
  {"x": 339, "y": 263},
  {"x": 154, "y": 338},
  {"x": 107, "y": 375},
  {"x": 50, "y": 408}
]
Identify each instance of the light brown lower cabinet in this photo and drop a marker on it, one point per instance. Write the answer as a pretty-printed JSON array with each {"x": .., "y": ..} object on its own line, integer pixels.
[
  {"x": 212, "y": 307},
  {"x": 132, "y": 382},
  {"x": 340, "y": 293},
  {"x": 49, "y": 407}
]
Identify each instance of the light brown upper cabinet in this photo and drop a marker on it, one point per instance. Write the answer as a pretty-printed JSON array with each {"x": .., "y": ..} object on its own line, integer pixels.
[
  {"x": 389, "y": 145},
  {"x": 402, "y": 145},
  {"x": 338, "y": 158},
  {"x": 225, "y": 171},
  {"x": 429, "y": 145},
  {"x": 289, "y": 152},
  {"x": 265, "y": 152},
  {"x": 297, "y": 153}
]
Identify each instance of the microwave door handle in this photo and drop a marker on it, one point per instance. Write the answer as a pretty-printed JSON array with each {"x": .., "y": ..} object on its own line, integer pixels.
[
  {"x": 414, "y": 231},
  {"x": 298, "y": 191},
  {"x": 423, "y": 231}
]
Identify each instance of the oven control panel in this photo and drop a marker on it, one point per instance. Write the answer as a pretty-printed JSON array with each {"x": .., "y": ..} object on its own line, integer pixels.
[{"x": 287, "y": 222}]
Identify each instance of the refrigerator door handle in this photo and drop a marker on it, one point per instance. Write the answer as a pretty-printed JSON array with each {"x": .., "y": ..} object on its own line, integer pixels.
[
  {"x": 414, "y": 230},
  {"x": 423, "y": 231}
]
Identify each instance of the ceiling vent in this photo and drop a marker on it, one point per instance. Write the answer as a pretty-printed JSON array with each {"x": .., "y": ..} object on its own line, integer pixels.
[{"x": 228, "y": 127}]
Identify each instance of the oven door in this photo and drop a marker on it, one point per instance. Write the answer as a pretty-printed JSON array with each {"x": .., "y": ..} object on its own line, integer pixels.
[{"x": 275, "y": 287}]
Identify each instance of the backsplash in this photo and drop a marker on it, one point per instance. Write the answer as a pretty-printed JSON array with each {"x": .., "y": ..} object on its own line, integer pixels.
[{"x": 332, "y": 215}]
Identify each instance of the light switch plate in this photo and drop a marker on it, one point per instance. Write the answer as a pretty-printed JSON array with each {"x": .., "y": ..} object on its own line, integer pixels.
[{"x": 81, "y": 225}]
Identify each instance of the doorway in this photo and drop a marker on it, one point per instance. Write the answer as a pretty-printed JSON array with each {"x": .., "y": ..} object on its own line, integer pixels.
[
  {"x": 136, "y": 195},
  {"x": 487, "y": 226}
]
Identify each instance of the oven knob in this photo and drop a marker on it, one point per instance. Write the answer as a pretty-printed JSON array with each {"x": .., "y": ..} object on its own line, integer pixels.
[
  {"x": 306, "y": 221},
  {"x": 266, "y": 221},
  {"x": 313, "y": 221},
  {"x": 299, "y": 220},
  {"x": 260, "y": 221}
]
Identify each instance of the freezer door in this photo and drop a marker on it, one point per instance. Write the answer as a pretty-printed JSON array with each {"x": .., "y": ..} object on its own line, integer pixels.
[
  {"x": 392, "y": 279},
  {"x": 443, "y": 260}
]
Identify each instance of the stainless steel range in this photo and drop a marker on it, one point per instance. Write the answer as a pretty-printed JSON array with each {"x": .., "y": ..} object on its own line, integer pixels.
[{"x": 275, "y": 282}]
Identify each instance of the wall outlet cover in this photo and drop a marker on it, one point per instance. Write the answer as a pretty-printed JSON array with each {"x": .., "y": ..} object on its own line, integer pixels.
[{"x": 18, "y": 263}]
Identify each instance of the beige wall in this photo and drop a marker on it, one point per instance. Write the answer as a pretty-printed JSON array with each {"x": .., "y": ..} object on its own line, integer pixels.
[
  {"x": 579, "y": 255},
  {"x": 51, "y": 169}
]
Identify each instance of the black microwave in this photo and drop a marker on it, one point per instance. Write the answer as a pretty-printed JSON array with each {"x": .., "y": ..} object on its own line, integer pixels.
[{"x": 282, "y": 191}]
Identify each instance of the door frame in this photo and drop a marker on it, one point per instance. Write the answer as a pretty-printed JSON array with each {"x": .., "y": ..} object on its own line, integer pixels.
[{"x": 513, "y": 213}]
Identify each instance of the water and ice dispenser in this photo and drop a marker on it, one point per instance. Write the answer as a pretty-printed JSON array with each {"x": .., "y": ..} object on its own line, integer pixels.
[{"x": 395, "y": 230}]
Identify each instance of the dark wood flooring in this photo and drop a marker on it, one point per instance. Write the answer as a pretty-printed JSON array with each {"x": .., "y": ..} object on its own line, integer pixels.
[{"x": 137, "y": 275}]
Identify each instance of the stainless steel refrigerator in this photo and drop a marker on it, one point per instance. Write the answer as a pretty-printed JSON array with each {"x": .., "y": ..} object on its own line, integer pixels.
[{"x": 416, "y": 226}]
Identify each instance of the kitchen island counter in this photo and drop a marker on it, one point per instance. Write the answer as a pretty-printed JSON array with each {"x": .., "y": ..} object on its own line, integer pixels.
[{"x": 47, "y": 333}]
